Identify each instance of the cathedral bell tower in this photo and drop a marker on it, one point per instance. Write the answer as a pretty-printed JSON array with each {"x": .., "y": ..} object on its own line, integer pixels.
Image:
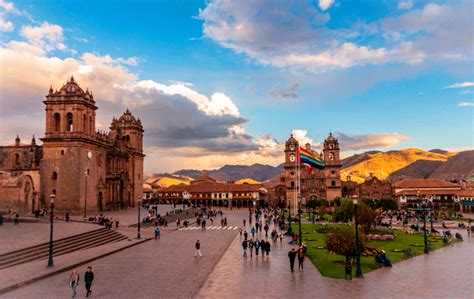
[
  {"x": 333, "y": 167},
  {"x": 69, "y": 148},
  {"x": 291, "y": 148}
]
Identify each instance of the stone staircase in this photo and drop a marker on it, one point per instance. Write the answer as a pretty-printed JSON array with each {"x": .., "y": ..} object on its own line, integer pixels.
[{"x": 67, "y": 245}]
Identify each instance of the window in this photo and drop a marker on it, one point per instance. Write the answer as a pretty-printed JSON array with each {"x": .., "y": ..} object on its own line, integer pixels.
[
  {"x": 17, "y": 159},
  {"x": 69, "y": 124},
  {"x": 57, "y": 122},
  {"x": 62, "y": 152},
  {"x": 292, "y": 184},
  {"x": 333, "y": 172},
  {"x": 333, "y": 183},
  {"x": 84, "y": 123},
  {"x": 54, "y": 176},
  {"x": 91, "y": 127}
]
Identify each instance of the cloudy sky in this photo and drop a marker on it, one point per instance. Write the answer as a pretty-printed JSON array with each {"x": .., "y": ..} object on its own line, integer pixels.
[{"x": 226, "y": 82}]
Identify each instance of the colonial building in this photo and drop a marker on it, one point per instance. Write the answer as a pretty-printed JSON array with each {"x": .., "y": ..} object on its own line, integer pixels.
[
  {"x": 317, "y": 184},
  {"x": 20, "y": 176},
  {"x": 87, "y": 170},
  {"x": 372, "y": 188},
  {"x": 437, "y": 194},
  {"x": 207, "y": 191}
]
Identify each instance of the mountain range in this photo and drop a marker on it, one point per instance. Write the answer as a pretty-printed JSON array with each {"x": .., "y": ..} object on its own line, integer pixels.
[{"x": 391, "y": 166}]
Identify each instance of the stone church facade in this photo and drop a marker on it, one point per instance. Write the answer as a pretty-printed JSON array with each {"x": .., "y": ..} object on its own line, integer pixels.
[
  {"x": 88, "y": 170},
  {"x": 318, "y": 184}
]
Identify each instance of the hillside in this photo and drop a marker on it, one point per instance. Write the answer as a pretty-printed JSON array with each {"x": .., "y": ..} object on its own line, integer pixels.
[
  {"x": 166, "y": 180},
  {"x": 460, "y": 166},
  {"x": 420, "y": 169},
  {"x": 248, "y": 181},
  {"x": 382, "y": 165},
  {"x": 258, "y": 172},
  {"x": 391, "y": 165}
]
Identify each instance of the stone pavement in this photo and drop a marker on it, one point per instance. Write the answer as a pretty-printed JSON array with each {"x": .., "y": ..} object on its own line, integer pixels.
[
  {"x": 162, "y": 268},
  {"x": 445, "y": 273},
  {"x": 166, "y": 268},
  {"x": 14, "y": 237}
]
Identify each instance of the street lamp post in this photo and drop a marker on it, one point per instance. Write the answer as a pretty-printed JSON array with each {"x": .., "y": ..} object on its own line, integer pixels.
[
  {"x": 50, "y": 259},
  {"x": 357, "y": 251},
  {"x": 289, "y": 231},
  {"x": 138, "y": 227},
  {"x": 86, "y": 174},
  {"x": 299, "y": 222},
  {"x": 425, "y": 235}
]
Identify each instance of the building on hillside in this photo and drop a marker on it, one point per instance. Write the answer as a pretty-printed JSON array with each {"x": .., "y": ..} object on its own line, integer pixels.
[
  {"x": 317, "y": 184},
  {"x": 87, "y": 170},
  {"x": 19, "y": 162},
  {"x": 372, "y": 188},
  {"x": 437, "y": 194},
  {"x": 205, "y": 190},
  {"x": 465, "y": 198}
]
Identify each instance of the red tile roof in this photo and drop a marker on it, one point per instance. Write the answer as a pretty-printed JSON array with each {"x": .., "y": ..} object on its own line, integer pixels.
[{"x": 423, "y": 183}]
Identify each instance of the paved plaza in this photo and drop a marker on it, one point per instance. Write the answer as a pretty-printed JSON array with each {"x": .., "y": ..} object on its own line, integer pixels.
[{"x": 166, "y": 268}]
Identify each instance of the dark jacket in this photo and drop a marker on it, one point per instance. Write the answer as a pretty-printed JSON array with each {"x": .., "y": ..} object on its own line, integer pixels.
[
  {"x": 88, "y": 277},
  {"x": 198, "y": 245},
  {"x": 292, "y": 256}
]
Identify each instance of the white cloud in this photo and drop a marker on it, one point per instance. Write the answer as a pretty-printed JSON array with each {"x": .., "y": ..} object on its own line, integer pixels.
[
  {"x": 5, "y": 26},
  {"x": 405, "y": 4},
  {"x": 461, "y": 84},
  {"x": 295, "y": 35},
  {"x": 325, "y": 4},
  {"x": 466, "y": 104},
  {"x": 466, "y": 91},
  {"x": 6, "y": 6},
  {"x": 302, "y": 137},
  {"x": 369, "y": 141},
  {"x": 47, "y": 36},
  {"x": 217, "y": 104}
]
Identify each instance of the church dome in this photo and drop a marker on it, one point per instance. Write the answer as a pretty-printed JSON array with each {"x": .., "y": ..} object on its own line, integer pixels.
[
  {"x": 127, "y": 117},
  {"x": 71, "y": 88}
]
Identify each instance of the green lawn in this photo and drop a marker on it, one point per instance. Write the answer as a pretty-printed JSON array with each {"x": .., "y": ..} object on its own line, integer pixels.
[{"x": 325, "y": 261}]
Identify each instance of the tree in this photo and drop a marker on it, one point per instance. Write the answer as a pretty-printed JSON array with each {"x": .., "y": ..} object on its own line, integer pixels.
[
  {"x": 322, "y": 211},
  {"x": 387, "y": 204},
  {"x": 312, "y": 203},
  {"x": 342, "y": 241},
  {"x": 366, "y": 217},
  {"x": 369, "y": 202},
  {"x": 343, "y": 212}
]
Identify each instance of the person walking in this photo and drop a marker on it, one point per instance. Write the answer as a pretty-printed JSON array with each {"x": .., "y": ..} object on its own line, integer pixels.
[
  {"x": 257, "y": 247},
  {"x": 292, "y": 257},
  {"x": 88, "y": 278},
  {"x": 245, "y": 246},
  {"x": 267, "y": 247},
  {"x": 74, "y": 282},
  {"x": 197, "y": 252},
  {"x": 251, "y": 245},
  {"x": 17, "y": 218},
  {"x": 301, "y": 258},
  {"x": 252, "y": 231},
  {"x": 246, "y": 235},
  {"x": 262, "y": 246},
  {"x": 157, "y": 233}
]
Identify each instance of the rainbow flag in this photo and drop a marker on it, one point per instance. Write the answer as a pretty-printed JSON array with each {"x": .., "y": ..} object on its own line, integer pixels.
[{"x": 309, "y": 159}]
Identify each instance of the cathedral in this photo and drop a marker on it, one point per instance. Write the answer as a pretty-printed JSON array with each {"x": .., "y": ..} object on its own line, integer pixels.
[
  {"x": 87, "y": 170},
  {"x": 317, "y": 184}
]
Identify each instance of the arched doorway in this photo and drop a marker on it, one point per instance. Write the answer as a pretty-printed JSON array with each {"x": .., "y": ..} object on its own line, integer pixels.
[
  {"x": 99, "y": 202},
  {"x": 121, "y": 194}
]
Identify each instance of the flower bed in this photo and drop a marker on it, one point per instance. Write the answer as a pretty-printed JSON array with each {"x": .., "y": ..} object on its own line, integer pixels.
[{"x": 381, "y": 237}]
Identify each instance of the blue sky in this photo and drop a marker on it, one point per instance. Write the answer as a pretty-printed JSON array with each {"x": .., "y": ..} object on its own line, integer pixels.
[{"x": 224, "y": 80}]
